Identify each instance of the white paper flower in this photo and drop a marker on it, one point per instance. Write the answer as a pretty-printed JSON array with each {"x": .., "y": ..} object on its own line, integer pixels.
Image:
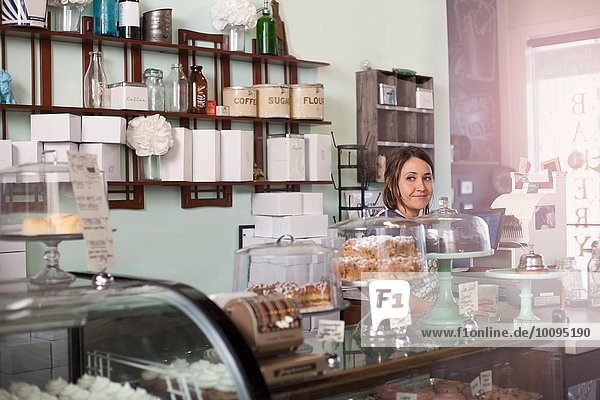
[
  {"x": 150, "y": 135},
  {"x": 81, "y": 4},
  {"x": 234, "y": 12}
]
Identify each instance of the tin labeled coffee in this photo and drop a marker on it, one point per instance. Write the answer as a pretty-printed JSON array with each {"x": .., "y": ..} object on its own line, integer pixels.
[{"x": 241, "y": 101}]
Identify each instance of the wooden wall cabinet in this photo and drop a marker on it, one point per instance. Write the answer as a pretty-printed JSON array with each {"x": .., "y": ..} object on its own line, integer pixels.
[
  {"x": 129, "y": 193},
  {"x": 384, "y": 127}
]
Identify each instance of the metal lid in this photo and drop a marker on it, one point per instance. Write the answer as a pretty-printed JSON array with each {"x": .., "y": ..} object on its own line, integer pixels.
[
  {"x": 303, "y": 85},
  {"x": 126, "y": 84},
  {"x": 271, "y": 85},
  {"x": 532, "y": 261},
  {"x": 238, "y": 88}
]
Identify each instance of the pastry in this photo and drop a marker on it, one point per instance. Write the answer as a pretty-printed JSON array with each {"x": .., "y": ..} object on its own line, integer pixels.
[
  {"x": 37, "y": 226},
  {"x": 66, "y": 223},
  {"x": 56, "y": 223},
  {"x": 313, "y": 294}
]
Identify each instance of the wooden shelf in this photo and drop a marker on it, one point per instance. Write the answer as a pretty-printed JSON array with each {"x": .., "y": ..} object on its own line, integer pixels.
[
  {"x": 404, "y": 109},
  {"x": 241, "y": 183}
]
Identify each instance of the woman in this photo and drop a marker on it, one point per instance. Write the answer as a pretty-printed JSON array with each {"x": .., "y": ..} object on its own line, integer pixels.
[{"x": 408, "y": 186}]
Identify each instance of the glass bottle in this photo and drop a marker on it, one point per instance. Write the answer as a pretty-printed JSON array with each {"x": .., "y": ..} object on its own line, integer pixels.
[
  {"x": 199, "y": 90},
  {"x": 153, "y": 78},
  {"x": 594, "y": 277},
  {"x": 266, "y": 32},
  {"x": 105, "y": 17},
  {"x": 95, "y": 83},
  {"x": 129, "y": 19},
  {"x": 176, "y": 90}
]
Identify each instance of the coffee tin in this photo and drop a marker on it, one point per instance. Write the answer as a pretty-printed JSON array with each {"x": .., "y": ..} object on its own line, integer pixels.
[
  {"x": 241, "y": 101},
  {"x": 157, "y": 25},
  {"x": 306, "y": 101},
  {"x": 273, "y": 100}
]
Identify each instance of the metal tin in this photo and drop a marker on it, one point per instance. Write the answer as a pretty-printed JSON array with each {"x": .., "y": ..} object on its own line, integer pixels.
[
  {"x": 273, "y": 101},
  {"x": 241, "y": 101},
  {"x": 306, "y": 101},
  {"x": 128, "y": 96},
  {"x": 157, "y": 25}
]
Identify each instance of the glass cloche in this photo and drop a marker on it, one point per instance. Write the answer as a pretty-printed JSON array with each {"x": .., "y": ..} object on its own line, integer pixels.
[
  {"x": 302, "y": 270},
  {"x": 380, "y": 247},
  {"x": 38, "y": 205},
  {"x": 451, "y": 234}
]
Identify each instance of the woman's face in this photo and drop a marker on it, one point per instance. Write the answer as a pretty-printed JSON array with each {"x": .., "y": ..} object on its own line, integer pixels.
[{"x": 416, "y": 187}]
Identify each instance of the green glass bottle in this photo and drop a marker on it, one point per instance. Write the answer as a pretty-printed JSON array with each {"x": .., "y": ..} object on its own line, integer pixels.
[{"x": 266, "y": 32}]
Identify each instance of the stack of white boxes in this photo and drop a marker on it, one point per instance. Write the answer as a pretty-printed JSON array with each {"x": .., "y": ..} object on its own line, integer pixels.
[
  {"x": 299, "y": 215},
  {"x": 299, "y": 158},
  {"x": 34, "y": 358}
]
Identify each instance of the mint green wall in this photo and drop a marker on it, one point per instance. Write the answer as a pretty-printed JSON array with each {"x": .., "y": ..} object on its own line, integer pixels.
[{"x": 196, "y": 246}]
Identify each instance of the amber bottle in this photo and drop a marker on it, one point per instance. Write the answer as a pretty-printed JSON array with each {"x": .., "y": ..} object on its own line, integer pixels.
[{"x": 199, "y": 92}]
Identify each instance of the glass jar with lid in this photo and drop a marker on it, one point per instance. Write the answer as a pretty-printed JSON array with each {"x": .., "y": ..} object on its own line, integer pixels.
[
  {"x": 380, "y": 248},
  {"x": 302, "y": 270},
  {"x": 153, "y": 78}
]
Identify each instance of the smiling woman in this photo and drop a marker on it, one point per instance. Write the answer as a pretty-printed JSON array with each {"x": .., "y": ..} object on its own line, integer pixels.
[{"x": 408, "y": 186}]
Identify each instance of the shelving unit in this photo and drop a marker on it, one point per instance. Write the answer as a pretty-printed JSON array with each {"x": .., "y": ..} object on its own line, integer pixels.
[
  {"x": 129, "y": 193},
  {"x": 348, "y": 151},
  {"x": 392, "y": 126}
]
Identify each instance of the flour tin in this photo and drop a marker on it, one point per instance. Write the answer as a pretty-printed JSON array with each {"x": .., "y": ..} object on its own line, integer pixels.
[
  {"x": 241, "y": 101},
  {"x": 306, "y": 101},
  {"x": 273, "y": 100}
]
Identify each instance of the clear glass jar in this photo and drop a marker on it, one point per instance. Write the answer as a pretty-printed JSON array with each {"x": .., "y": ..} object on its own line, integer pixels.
[
  {"x": 594, "y": 277},
  {"x": 176, "y": 90},
  {"x": 95, "y": 93},
  {"x": 153, "y": 78}
]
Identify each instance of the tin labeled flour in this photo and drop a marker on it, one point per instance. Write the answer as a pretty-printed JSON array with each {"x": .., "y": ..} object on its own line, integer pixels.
[
  {"x": 273, "y": 101},
  {"x": 241, "y": 101},
  {"x": 307, "y": 101}
]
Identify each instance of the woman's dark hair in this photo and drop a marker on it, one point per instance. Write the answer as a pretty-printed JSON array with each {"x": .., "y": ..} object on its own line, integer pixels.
[{"x": 394, "y": 164}]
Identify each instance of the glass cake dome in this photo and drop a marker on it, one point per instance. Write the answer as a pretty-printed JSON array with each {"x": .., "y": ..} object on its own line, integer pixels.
[
  {"x": 380, "y": 248},
  {"x": 451, "y": 234},
  {"x": 302, "y": 270}
]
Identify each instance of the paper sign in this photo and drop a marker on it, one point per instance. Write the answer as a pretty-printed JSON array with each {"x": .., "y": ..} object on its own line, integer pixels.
[
  {"x": 93, "y": 210},
  {"x": 475, "y": 386},
  {"x": 388, "y": 299},
  {"x": 486, "y": 380},
  {"x": 467, "y": 298},
  {"x": 524, "y": 165},
  {"x": 406, "y": 396},
  {"x": 331, "y": 330}
]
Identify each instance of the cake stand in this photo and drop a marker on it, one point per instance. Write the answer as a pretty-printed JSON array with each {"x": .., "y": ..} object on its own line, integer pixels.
[
  {"x": 445, "y": 310},
  {"x": 526, "y": 314},
  {"x": 52, "y": 274}
]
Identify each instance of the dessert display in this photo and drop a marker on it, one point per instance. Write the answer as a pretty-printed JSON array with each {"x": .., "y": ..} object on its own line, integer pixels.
[
  {"x": 54, "y": 224},
  {"x": 308, "y": 295},
  {"x": 368, "y": 256}
]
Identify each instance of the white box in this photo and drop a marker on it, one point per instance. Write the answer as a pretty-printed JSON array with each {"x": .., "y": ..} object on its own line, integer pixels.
[
  {"x": 55, "y": 128},
  {"x": 299, "y": 226},
  {"x": 237, "y": 155},
  {"x": 128, "y": 96},
  {"x": 103, "y": 129},
  {"x": 286, "y": 159},
  {"x": 25, "y": 356},
  {"x": 26, "y": 152},
  {"x": 206, "y": 155},
  {"x": 424, "y": 98},
  {"x": 62, "y": 149},
  {"x": 5, "y": 154},
  {"x": 8, "y": 246},
  {"x": 13, "y": 265},
  {"x": 318, "y": 157},
  {"x": 312, "y": 203},
  {"x": 277, "y": 204},
  {"x": 108, "y": 157},
  {"x": 176, "y": 165}
]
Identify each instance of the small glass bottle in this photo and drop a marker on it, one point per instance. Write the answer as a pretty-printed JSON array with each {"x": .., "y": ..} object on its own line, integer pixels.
[
  {"x": 594, "y": 277},
  {"x": 266, "y": 32},
  {"x": 105, "y": 18},
  {"x": 95, "y": 94},
  {"x": 176, "y": 90},
  {"x": 199, "y": 92},
  {"x": 129, "y": 19},
  {"x": 153, "y": 78}
]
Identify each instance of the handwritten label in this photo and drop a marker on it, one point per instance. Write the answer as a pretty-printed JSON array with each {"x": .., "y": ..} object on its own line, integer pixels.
[
  {"x": 388, "y": 299},
  {"x": 331, "y": 330},
  {"x": 467, "y": 298},
  {"x": 406, "y": 396},
  {"x": 93, "y": 210},
  {"x": 475, "y": 386},
  {"x": 486, "y": 380}
]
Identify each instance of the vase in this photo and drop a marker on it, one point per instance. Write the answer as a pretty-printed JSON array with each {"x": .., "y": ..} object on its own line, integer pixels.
[
  {"x": 67, "y": 18},
  {"x": 149, "y": 168},
  {"x": 237, "y": 37}
]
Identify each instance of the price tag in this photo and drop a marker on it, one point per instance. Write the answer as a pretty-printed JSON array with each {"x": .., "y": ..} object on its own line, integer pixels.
[
  {"x": 406, "y": 396},
  {"x": 486, "y": 380},
  {"x": 331, "y": 330},
  {"x": 467, "y": 298},
  {"x": 388, "y": 299},
  {"x": 475, "y": 386},
  {"x": 93, "y": 210}
]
